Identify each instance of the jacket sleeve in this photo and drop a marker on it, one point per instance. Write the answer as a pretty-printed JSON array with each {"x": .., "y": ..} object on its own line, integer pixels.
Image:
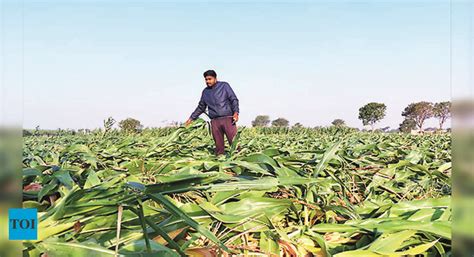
[
  {"x": 234, "y": 101},
  {"x": 199, "y": 109}
]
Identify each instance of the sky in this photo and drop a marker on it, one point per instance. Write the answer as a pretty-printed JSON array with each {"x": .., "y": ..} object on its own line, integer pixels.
[{"x": 309, "y": 62}]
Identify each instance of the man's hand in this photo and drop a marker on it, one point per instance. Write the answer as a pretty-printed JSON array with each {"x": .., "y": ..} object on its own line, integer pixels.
[
  {"x": 235, "y": 117},
  {"x": 188, "y": 122}
]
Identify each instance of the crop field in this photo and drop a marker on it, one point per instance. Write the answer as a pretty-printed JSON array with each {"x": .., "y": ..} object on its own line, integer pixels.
[{"x": 277, "y": 192}]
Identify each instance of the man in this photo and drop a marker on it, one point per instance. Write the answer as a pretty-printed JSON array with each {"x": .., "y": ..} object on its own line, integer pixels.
[{"x": 223, "y": 108}]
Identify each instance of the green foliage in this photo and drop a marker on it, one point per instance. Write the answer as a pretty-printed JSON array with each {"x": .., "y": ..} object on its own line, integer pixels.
[
  {"x": 371, "y": 113},
  {"x": 130, "y": 125},
  {"x": 261, "y": 121},
  {"x": 280, "y": 122},
  {"x": 407, "y": 125},
  {"x": 418, "y": 112},
  {"x": 297, "y": 125},
  {"x": 331, "y": 191},
  {"x": 338, "y": 122},
  {"x": 442, "y": 111}
]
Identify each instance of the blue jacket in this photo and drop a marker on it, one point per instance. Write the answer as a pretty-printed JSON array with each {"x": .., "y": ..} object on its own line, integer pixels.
[{"x": 220, "y": 99}]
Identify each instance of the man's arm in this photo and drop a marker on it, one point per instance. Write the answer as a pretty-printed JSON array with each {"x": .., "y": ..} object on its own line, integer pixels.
[
  {"x": 199, "y": 109},
  {"x": 234, "y": 101}
]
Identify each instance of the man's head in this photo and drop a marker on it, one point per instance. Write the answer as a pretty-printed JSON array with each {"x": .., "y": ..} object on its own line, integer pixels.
[{"x": 211, "y": 78}]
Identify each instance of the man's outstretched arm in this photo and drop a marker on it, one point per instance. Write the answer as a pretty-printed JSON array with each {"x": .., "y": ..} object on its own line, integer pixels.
[{"x": 198, "y": 111}]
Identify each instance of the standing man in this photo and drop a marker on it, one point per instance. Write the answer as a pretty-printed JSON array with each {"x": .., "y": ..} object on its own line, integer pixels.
[{"x": 223, "y": 108}]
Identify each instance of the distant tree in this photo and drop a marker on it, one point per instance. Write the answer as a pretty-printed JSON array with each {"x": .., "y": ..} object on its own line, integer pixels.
[
  {"x": 108, "y": 123},
  {"x": 261, "y": 121},
  {"x": 130, "y": 125},
  {"x": 371, "y": 113},
  {"x": 297, "y": 125},
  {"x": 419, "y": 112},
  {"x": 385, "y": 129},
  {"x": 407, "y": 125},
  {"x": 280, "y": 122},
  {"x": 442, "y": 111},
  {"x": 338, "y": 122}
]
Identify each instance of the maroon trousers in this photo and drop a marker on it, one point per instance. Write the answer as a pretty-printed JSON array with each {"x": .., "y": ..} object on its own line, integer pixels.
[{"x": 219, "y": 127}]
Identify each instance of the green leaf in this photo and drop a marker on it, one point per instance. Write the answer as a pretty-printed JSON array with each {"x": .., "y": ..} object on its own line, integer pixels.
[
  {"x": 92, "y": 180},
  {"x": 268, "y": 244},
  {"x": 48, "y": 189},
  {"x": 358, "y": 253},
  {"x": 65, "y": 249},
  {"x": 31, "y": 172},
  {"x": 64, "y": 177},
  {"x": 391, "y": 242},
  {"x": 328, "y": 156},
  {"x": 186, "y": 219}
]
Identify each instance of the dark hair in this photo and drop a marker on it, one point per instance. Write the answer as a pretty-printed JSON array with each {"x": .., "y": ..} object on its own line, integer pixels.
[{"x": 211, "y": 73}]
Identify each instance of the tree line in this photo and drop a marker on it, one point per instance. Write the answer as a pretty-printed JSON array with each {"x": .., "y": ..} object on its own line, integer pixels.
[{"x": 415, "y": 115}]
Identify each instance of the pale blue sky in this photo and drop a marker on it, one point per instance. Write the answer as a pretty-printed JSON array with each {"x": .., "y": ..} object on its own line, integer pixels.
[{"x": 310, "y": 62}]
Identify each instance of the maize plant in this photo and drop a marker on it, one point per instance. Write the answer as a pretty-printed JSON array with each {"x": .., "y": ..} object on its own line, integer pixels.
[{"x": 277, "y": 192}]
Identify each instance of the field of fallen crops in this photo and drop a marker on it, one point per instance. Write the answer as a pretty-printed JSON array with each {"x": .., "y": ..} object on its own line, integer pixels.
[{"x": 278, "y": 192}]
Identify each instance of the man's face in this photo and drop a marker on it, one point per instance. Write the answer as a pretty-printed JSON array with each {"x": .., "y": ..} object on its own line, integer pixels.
[{"x": 210, "y": 81}]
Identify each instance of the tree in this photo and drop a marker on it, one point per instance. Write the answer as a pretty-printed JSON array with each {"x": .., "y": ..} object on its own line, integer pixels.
[
  {"x": 407, "y": 125},
  {"x": 442, "y": 111},
  {"x": 372, "y": 113},
  {"x": 419, "y": 112},
  {"x": 280, "y": 122},
  {"x": 297, "y": 125},
  {"x": 261, "y": 121},
  {"x": 27, "y": 133},
  {"x": 130, "y": 125},
  {"x": 338, "y": 122}
]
